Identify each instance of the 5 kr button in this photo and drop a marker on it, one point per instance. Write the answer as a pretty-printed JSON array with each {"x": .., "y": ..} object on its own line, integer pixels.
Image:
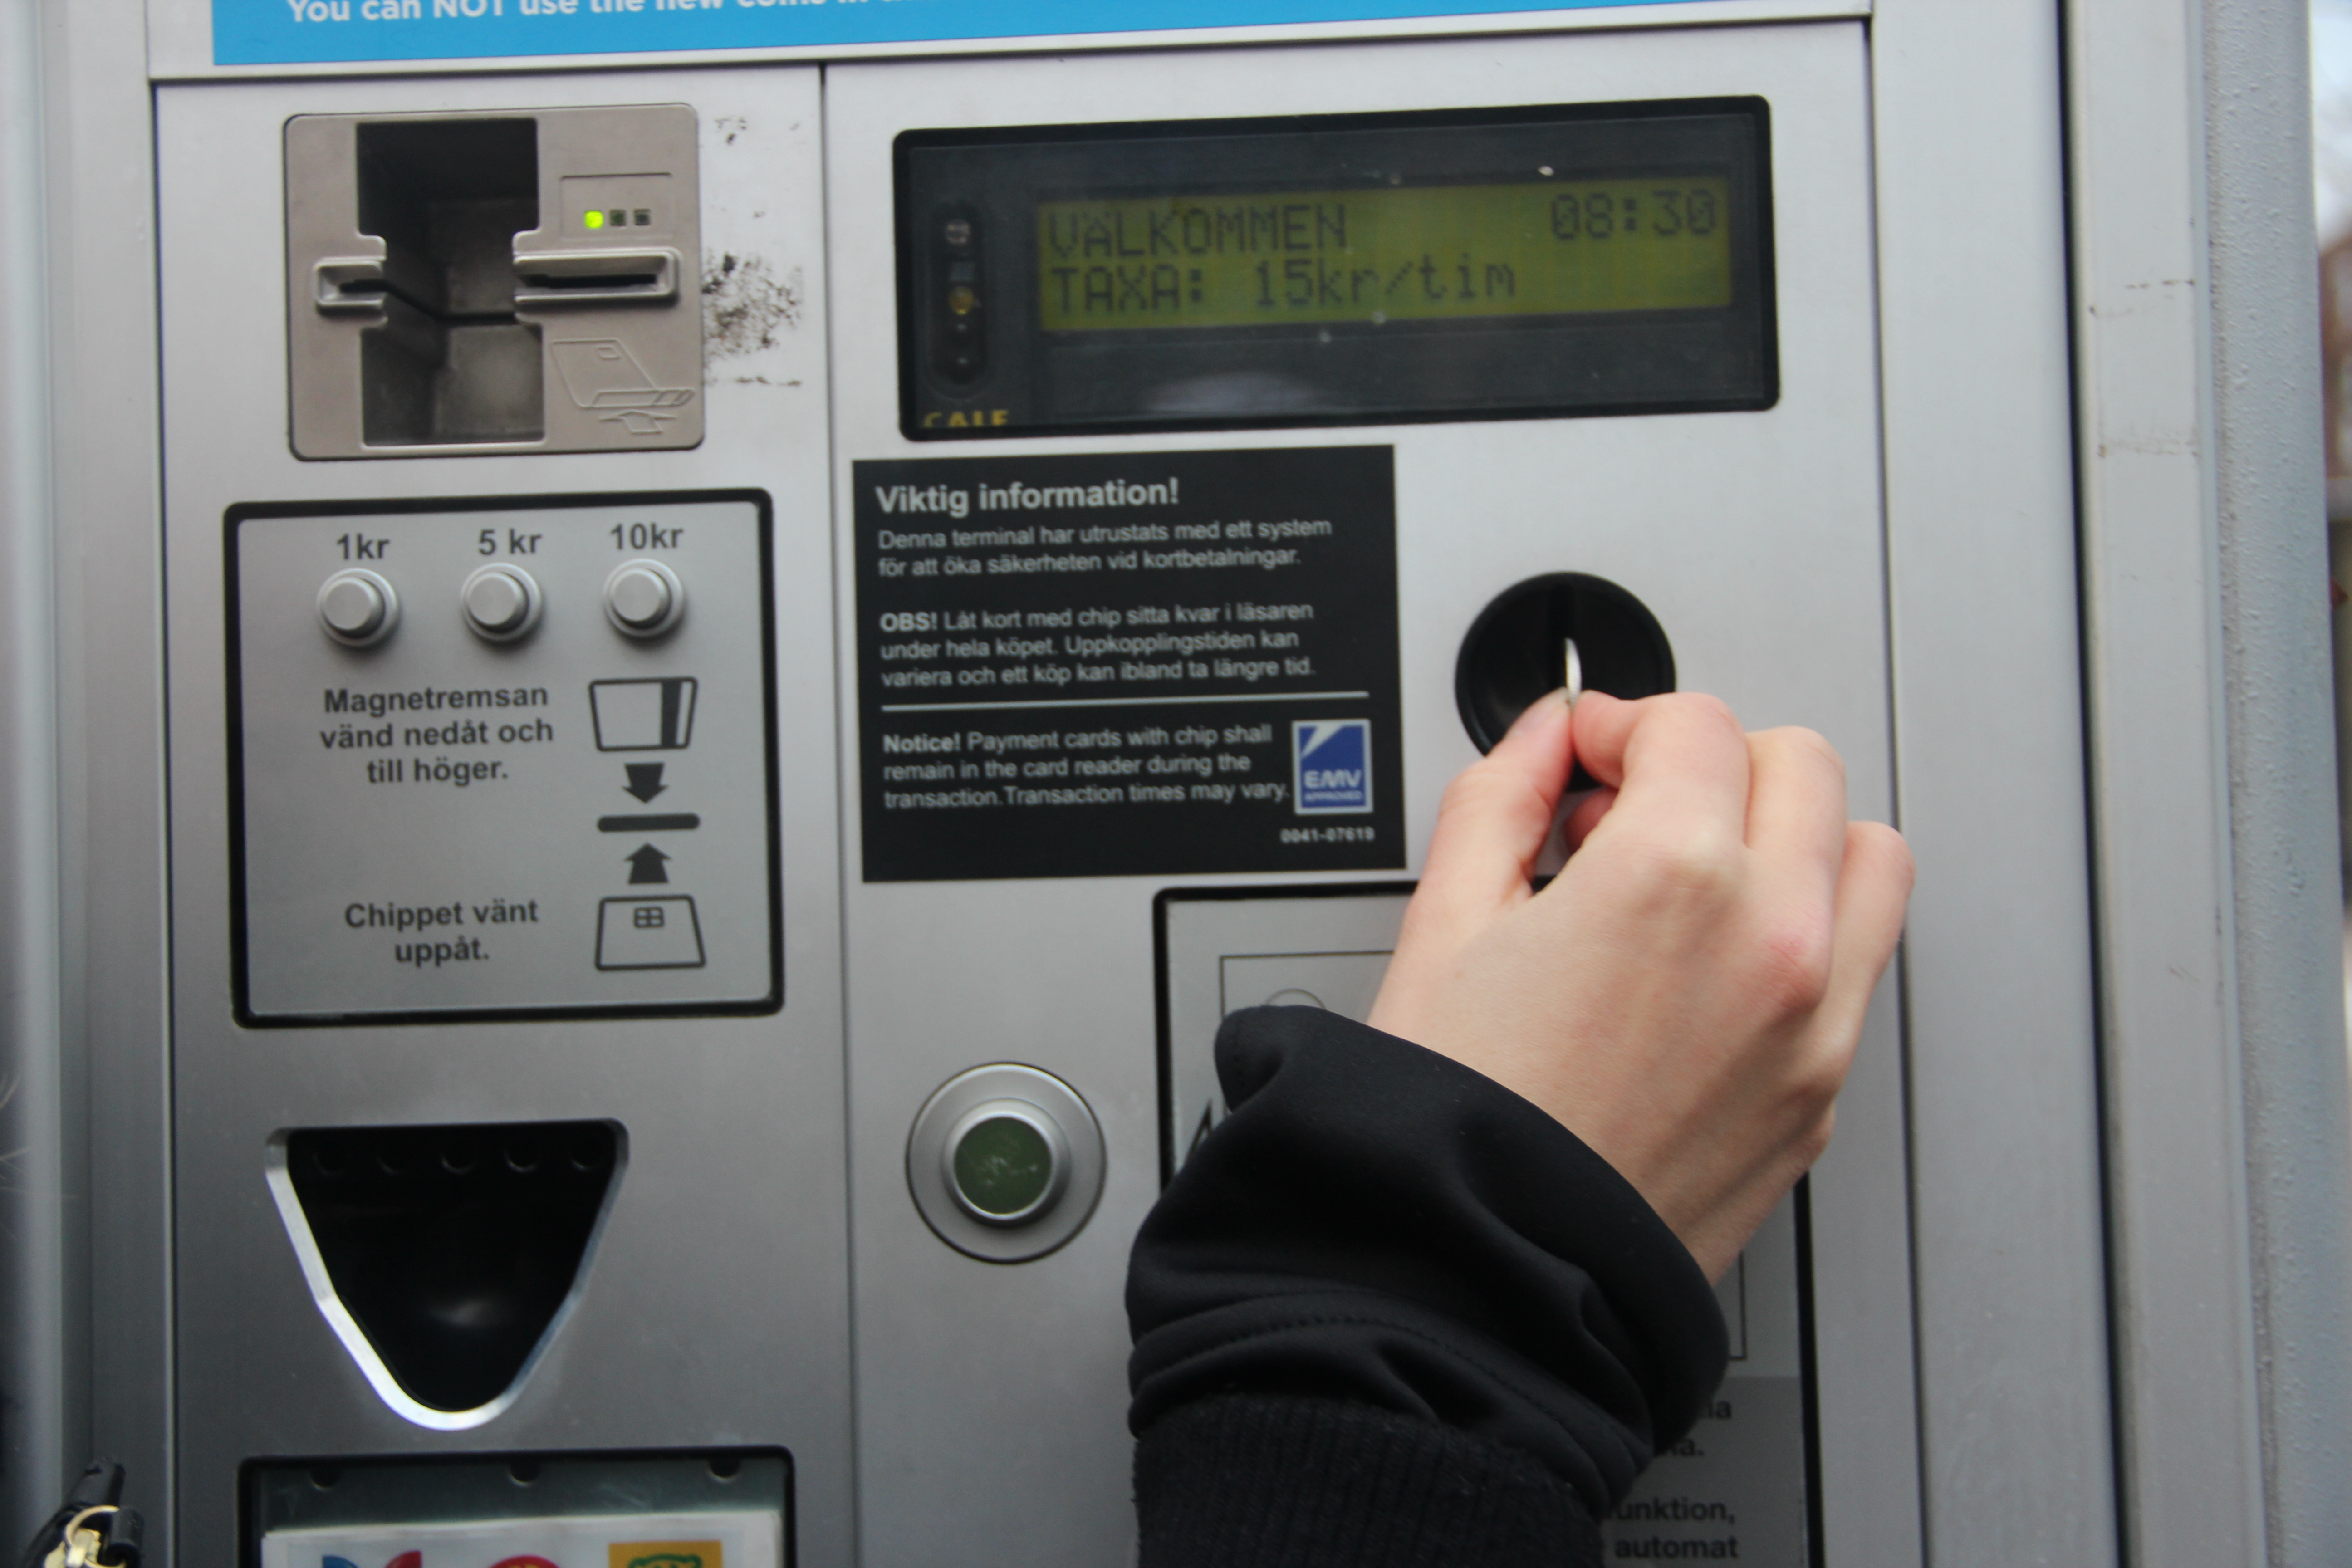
[{"x": 501, "y": 603}]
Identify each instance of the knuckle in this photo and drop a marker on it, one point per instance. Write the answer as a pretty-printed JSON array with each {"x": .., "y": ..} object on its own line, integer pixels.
[
  {"x": 1702, "y": 707},
  {"x": 1809, "y": 744},
  {"x": 1701, "y": 860},
  {"x": 1813, "y": 1077},
  {"x": 1793, "y": 957},
  {"x": 1889, "y": 849}
]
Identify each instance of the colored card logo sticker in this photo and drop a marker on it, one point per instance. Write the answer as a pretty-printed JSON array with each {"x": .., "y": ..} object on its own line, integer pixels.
[
  {"x": 665, "y": 1554},
  {"x": 1332, "y": 765}
]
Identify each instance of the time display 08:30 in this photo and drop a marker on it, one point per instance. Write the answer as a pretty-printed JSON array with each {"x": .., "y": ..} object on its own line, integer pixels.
[{"x": 1412, "y": 252}]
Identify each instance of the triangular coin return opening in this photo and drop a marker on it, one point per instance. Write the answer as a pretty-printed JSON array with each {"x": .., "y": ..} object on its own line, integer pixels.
[{"x": 446, "y": 1256}]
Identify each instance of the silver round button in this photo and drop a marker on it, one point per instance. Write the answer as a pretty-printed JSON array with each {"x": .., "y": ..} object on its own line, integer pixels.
[
  {"x": 501, "y": 603},
  {"x": 358, "y": 608},
  {"x": 644, "y": 598},
  {"x": 1005, "y": 1162}
]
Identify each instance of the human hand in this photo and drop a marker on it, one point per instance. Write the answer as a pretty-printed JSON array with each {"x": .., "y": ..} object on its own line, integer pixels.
[{"x": 1685, "y": 996}]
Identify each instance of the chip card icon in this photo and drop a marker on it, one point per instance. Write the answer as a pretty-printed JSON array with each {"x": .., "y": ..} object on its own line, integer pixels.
[
  {"x": 1330, "y": 766},
  {"x": 660, "y": 933}
]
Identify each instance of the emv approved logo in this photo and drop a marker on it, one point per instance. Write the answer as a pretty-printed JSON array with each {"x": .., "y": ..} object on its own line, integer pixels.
[{"x": 1330, "y": 765}]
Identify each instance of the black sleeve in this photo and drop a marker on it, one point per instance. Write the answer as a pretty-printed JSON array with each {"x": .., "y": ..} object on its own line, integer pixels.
[{"x": 1391, "y": 1312}]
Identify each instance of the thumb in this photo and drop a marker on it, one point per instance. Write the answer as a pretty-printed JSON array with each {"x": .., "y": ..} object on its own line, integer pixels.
[{"x": 1494, "y": 820}]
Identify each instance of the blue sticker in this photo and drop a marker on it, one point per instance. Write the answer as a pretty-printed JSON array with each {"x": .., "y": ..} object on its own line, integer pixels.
[
  {"x": 1332, "y": 765},
  {"x": 287, "y": 32}
]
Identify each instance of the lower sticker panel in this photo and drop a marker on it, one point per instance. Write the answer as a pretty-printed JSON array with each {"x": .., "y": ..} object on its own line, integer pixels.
[{"x": 729, "y": 1509}]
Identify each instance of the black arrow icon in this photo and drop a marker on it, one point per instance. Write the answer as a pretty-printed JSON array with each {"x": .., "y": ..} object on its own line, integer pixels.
[
  {"x": 646, "y": 865},
  {"x": 645, "y": 780}
]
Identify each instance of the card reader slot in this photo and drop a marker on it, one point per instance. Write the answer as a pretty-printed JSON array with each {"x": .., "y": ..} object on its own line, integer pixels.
[
  {"x": 596, "y": 277},
  {"x": 452, "y": 362}
]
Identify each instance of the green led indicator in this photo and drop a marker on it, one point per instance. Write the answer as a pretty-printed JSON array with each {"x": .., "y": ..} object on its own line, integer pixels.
[{"x": 592, "y": 218}]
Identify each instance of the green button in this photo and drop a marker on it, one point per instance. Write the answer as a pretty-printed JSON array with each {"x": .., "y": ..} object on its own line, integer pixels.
[{"x": 1003, "y": 1166}]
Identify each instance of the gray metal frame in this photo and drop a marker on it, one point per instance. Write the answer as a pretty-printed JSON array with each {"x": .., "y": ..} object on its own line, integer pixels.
[
  {"x": 105, "y": 655},
  {"x": 43, "y": 1233},
  {"x": 2015, "y": 1459},
  {"x": 2204, "y": 553}
]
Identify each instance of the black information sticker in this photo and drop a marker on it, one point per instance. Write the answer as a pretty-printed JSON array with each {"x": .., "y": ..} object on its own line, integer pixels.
[{"x": 1128, "y": 664}]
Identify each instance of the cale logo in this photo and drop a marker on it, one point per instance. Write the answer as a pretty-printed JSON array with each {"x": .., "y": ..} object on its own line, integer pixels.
[
  {"x": 665, "y": 1554},
  {"x": 958, "y": 419}
]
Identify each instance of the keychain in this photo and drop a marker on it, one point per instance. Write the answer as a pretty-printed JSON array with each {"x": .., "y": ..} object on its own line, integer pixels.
[{"x": 90, "y": 1529}]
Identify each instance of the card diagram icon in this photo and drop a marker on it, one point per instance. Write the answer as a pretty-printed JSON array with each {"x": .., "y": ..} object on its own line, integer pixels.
[
  {"x": 653, "y": 715},
  {"x": 601, "y": 373},
  {"x": 648, "y": 933}
]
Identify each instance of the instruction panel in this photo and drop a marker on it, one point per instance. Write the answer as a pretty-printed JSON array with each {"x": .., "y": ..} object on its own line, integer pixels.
[
  {"x": 1736, "y": 1488},
  {"x": 463, "y": 817},
  {"x": 1103, "y": 665}
]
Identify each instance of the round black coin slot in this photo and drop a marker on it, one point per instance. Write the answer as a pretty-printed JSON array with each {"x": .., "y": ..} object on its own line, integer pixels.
[
  {"x": 1518, "y": 650},
  {"x": 1004, "y": 1168}
]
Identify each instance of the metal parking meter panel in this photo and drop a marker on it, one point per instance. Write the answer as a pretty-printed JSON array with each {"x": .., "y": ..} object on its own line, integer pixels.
[
  {"x": 1158, "y": 562},
  {"x": 507, "y": 1033},
  {"x": 1221, "y": 444}
]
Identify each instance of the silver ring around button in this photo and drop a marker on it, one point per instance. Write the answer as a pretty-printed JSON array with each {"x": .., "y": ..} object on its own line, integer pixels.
[{"x": 1024, "y": 1094}]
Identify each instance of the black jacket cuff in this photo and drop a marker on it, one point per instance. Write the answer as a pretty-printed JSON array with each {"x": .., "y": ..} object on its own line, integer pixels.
[
  {"x": 1276, "y": 1481},
  {"x": 1380, "y": 1225}
]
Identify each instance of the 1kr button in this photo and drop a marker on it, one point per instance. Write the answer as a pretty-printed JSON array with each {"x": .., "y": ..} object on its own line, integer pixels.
[{"x": 358, "y": 608}]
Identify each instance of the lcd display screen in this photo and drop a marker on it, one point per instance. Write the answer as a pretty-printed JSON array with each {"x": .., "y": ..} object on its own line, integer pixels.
[
  {"x": 1430, "y": 253},
  {"x": 1489, "y": 264}
]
